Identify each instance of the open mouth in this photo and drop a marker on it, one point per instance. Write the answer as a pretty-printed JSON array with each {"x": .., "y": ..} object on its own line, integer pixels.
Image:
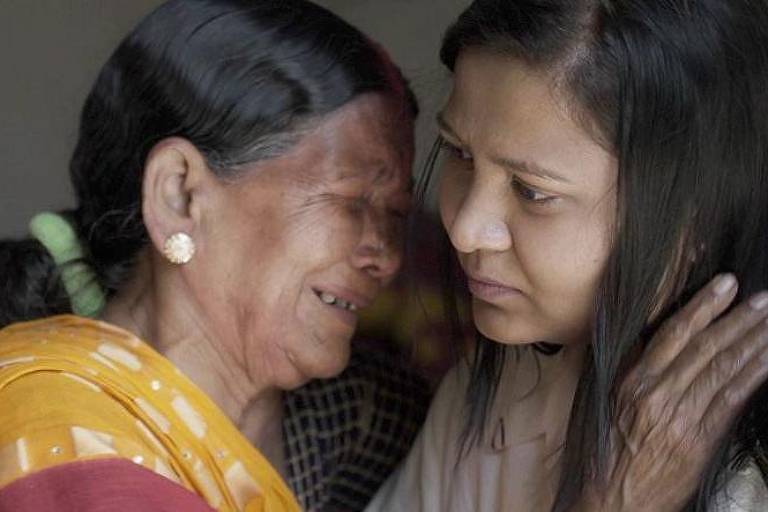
[{"x": 334, "y": 301}]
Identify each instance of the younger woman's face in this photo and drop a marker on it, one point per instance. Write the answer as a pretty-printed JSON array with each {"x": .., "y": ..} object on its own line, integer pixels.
[{"x": 528, "y": 200}]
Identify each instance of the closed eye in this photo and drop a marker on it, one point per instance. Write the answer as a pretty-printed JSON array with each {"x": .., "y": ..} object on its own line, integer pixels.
[{"x": 398, "y": 213}]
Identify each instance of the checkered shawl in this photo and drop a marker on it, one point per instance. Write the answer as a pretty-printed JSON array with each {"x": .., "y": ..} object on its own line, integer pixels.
[{"x": 344, "y": 436}]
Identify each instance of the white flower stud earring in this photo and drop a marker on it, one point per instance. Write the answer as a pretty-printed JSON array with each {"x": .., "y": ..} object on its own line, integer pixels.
[{"x": 179, "y": 248}]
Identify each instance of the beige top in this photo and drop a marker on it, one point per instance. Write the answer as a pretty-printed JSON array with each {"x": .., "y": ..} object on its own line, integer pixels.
[{"x": 517, "y": 467}]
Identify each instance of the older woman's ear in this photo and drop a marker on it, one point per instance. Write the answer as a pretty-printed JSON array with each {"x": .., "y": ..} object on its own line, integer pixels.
[{"x": 176, "y": 179}]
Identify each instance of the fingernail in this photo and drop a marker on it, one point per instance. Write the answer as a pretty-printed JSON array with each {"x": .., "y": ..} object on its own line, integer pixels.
[
  {"x": 724, "y": 284},
  {"x": 759, "y": 301}
]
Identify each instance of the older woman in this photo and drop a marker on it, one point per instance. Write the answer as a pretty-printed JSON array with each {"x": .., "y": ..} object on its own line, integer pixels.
[
  {"x": 242, "y": 177},
  {"x": 603, "y": 161}
]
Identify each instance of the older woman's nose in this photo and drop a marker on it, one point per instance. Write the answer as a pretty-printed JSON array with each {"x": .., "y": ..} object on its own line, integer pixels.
[
  {"x": 380, "y": 251},
  {"x": 478, "y": 225}
]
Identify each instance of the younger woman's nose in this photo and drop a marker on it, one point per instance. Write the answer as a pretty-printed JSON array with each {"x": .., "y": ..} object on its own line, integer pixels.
[{"x": 477, "y": 227}]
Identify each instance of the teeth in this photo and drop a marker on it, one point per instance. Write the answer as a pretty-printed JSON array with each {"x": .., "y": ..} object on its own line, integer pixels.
[{"x": 332, "y": 300}]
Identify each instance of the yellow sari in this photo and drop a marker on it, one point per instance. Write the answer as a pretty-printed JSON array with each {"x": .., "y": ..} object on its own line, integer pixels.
[{"x": 73, "y": 389}]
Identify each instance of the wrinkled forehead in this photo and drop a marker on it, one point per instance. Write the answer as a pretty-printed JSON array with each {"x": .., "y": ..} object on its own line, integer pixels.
[
  {"x": 369, "y": 138},
  {"x": 371, "y": 134}
]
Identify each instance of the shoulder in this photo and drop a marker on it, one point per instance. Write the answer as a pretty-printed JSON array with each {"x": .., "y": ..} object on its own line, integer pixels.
[
  {"x": 440, "y": 436},
  {"x": 55, "y": 372},
  {"x": 423, "y": 482},
  {"x": 451, "y": 395},
  {"x": 62, "y": 401},
  {"x": 49, "y": 418},
  {"x": 99, "y": 485}
]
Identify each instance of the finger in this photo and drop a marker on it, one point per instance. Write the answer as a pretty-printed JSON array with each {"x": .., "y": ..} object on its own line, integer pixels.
[
  {"x": 709, "y": 303},
  {"x": 725, "y": 406},
  {"x": 722, "y": 370},
  {"x": 704, "y": 353}
]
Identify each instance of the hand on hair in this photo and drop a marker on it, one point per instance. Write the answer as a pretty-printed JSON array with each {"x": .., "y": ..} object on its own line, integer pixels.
[{"x": 675, "y": 406}]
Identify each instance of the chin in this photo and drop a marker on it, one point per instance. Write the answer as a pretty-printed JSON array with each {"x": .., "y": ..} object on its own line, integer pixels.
[
  {"x": 510, "y": 329},
  {"x": 504, "y": 327},
  {"x": 319, "y": 362},
  {"x": 327, "y": 367},
  {"x": 503, "y": 336},
  {"x": 331, "y": 370}
]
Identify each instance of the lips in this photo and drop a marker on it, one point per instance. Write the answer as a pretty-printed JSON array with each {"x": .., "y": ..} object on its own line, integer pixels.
[{"x": 489, "y": 289}]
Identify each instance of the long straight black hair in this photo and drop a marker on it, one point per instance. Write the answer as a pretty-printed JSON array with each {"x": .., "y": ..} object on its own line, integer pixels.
[
  {"x": 678, "y": 92},
  {"x": 242, "y": 80}
]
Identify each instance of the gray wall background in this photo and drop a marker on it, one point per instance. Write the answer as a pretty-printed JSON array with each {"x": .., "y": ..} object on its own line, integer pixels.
[{"x": 51, "y": 51}]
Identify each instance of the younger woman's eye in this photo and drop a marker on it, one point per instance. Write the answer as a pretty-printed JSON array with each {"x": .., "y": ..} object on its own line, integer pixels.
[
  {"x": 530, "y": 194},
  {"x": 455, "y": 151}
]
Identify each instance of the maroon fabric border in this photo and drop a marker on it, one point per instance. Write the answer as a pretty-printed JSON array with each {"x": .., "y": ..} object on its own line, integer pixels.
[{"x": 100, "y": 485}]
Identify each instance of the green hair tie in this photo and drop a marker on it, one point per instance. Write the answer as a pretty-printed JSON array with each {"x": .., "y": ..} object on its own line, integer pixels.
[{"x": 59, "y": 238}]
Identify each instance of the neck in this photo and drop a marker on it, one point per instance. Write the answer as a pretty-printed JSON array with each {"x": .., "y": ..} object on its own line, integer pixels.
[{"x": 152, "y": 307}]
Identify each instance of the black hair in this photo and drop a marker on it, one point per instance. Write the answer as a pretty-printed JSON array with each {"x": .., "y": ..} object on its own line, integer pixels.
[
  {"x": 678, "y": 92},
  {"x": 242, "y": 80}
]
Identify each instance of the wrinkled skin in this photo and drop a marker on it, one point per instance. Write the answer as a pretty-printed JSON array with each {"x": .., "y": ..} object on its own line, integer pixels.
[{"x": 678, "y": 402}]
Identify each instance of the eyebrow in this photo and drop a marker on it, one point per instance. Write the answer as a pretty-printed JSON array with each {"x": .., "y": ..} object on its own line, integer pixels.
[
  {"x": 356, "y": 172},
  {"x": 510, "y": 164},
  {"x": 529, "y": 168}
]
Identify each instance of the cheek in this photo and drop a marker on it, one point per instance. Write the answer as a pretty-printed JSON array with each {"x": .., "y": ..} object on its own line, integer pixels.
[
  {"x": 564, "y": 258},
  {"x": 562, "y": 263},
  {"x": 251, "y": 254},
  {"x": 332, "y": 231},
  {"x": 304, "y": 237}
]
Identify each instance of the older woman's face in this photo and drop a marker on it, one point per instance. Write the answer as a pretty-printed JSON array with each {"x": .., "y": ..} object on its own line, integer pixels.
[
  {"x": 303, "y": 242},
  {"x": 528, "y": 200}
]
